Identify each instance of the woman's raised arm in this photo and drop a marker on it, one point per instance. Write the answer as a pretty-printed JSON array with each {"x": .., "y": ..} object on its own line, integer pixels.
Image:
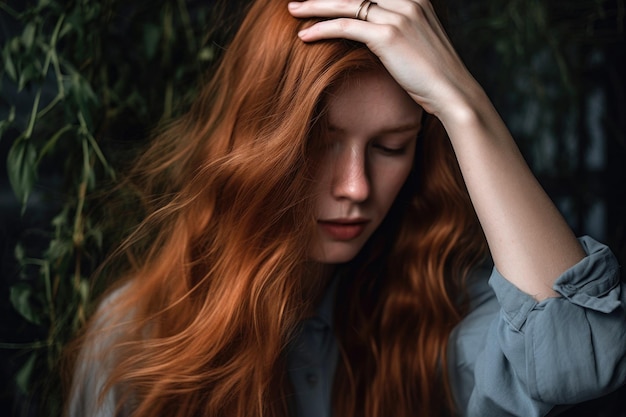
[{"x": 530, "y": 242}]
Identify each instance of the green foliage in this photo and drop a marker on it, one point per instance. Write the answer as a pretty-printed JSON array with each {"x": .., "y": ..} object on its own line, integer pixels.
[{"x": 91, "y": 72}]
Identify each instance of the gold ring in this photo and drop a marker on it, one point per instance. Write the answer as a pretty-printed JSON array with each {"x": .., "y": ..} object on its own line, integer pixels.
[
  {"x": 367, "y": 9},
  {"x": 358, "y": 11}
]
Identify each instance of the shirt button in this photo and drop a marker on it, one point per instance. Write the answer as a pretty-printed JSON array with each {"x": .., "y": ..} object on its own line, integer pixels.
[{"x": 311, "y": 379}]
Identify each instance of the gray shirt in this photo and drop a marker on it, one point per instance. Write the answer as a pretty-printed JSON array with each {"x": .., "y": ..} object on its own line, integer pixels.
[{"x": 510, "y": 356}]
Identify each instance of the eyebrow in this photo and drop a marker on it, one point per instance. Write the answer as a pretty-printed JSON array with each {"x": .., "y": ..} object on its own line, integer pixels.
[{"x": 408, "y": 127}]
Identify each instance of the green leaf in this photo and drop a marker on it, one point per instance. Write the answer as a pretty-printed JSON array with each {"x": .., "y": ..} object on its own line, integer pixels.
[
  {"x": 97, "y": 236},
  {"x": 6, "y": 123},
  {"x": 58, "y": 249},
  {"x": 84, "y": 290},
  {"x": 21, "y": 294},
  {"x": 84, "y": 98},
  {"x": 59, "y": 221},
  {"x": 29, "y": 72},
  {"x": 19, "y": 253},
  {"x": 43, "y": 3},
  {"x": 92, "y": 12},
  {"x": 9, "y": 66},
  {"x": 50, "y": 143},
  {"x": 206, "y": 54},
  {"x": 28, "y": 35},
  {"x": 22, "y": 169},
  {"x": 23, "y": 376},
  {"x": 151, "y": 39},
  {"x": 65, "y": 29}
]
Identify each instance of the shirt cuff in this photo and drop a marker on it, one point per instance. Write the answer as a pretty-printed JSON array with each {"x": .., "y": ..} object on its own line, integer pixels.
[{"x": 592, "y": 283}]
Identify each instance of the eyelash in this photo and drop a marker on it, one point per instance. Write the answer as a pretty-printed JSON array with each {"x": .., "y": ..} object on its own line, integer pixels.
[{"x": 389, "y": 151}]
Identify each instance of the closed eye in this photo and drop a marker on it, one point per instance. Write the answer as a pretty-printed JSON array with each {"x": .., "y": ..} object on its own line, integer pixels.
[{"x": 387, "y": 150}]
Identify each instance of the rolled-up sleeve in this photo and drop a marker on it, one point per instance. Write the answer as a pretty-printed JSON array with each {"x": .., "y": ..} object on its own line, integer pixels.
[{"x": 516, "y": 356}]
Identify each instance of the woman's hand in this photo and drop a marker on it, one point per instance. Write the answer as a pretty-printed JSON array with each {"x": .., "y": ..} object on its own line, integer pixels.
[{"x": 410, "y": 41}]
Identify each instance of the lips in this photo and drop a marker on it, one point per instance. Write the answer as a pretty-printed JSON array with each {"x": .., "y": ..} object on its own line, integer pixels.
[{"x": 343, "y": 229}]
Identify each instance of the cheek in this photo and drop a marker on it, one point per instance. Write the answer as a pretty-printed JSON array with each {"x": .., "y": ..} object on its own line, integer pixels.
[{"x": 391, "y": 180}]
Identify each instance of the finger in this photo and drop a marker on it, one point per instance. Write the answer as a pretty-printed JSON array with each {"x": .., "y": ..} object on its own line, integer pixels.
[
  {"x": 381, "y": 27},
  {"x": 340, "y": 28},
  {"x": 332, "y": 8},
  {"x": 358, "y": 10},
  {"x": 399, "y": 13},
  {"x": 351, "y": 8}
]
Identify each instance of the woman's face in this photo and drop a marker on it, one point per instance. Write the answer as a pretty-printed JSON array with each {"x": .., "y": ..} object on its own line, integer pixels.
[{"x": 371, "y": 135}]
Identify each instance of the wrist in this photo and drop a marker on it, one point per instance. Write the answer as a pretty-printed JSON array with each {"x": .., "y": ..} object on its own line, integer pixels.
[
  {"x": 466, "y": 105},
  {"x": 468, "y": 112}
]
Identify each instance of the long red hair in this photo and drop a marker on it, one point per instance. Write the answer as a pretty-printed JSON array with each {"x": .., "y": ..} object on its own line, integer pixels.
[{"x": 218, "y": 276}]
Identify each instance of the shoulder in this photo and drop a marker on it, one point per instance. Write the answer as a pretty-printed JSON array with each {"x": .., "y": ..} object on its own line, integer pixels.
[{"x": 96, "y": 359}]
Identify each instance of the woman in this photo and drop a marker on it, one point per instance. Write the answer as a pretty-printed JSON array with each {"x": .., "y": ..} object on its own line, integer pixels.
[{"x": 316, "y": 242}]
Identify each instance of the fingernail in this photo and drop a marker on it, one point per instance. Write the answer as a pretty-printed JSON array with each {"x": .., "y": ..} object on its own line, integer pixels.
[
  {"x": 294, "y": 5},
  {"x": 303, "y": 32}
]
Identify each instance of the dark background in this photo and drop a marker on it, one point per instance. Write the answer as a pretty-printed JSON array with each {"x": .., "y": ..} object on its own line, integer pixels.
[{"x": 554, "y": 69}]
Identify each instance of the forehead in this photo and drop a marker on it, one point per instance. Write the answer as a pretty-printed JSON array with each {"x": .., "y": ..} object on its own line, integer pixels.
[{"x": 371, "y": 99}]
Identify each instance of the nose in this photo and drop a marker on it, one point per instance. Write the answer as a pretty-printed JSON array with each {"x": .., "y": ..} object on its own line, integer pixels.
[{"x": 350, "y": 177}]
